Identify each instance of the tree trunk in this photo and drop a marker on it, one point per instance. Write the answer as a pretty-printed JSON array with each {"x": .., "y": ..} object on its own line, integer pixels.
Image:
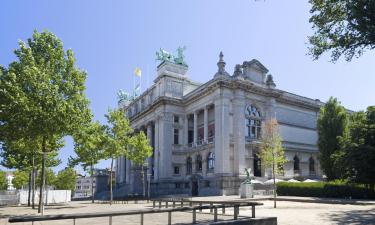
[
  {"x": 92, "y": 183},
  {"x": 110, "y": 184},
  {"x": 143, "y": 181},
  {"x": 34, "y": 184},
  {"x": 274, "y": 183},
  {"x": 29, "y": 189},
  {"x": 42, "y": 182}
]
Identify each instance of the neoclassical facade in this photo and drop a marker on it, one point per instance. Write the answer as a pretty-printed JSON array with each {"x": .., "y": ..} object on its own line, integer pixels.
[{"x": 205, "y": 135}]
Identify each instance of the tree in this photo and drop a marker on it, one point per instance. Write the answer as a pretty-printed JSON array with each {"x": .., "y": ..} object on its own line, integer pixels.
[
  {"x": 361, "y": 149},
  {"x": 271, "y": 150},
  {"x": 21, "y": 179},
  {"x": 25, "y": 154},
  {"x": 345, "y": 27},
  {"x": 42, "y": 94},
  {"x": 3, "y": 180},
  {"x": 117, "y": 139},
  {"x": 49, "y": 177},
  {"x": 66, "y": 179},
  {"x": 140, "y": 150},
  {"x": 89, "y": 149},
  {"x": 333, "y": 131}
]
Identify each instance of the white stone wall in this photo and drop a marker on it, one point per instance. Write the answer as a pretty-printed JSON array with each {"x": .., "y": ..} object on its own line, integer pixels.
[{"x": 51, "y": 196}]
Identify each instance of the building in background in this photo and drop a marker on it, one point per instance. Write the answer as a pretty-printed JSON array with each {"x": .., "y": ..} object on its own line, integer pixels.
[
  {"x": 100, "y": 183},
  {"x": 205, "y": 135}
]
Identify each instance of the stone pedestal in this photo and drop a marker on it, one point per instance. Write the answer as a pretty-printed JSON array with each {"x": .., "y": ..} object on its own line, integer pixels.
[{"x": 246, "y": 190}]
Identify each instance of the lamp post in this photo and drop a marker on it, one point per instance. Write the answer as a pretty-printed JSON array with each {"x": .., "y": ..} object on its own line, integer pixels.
[{"x": 149, "y": 174}]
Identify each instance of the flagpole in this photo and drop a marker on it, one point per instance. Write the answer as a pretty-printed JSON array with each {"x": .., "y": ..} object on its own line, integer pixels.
[{"x": 133, "y": 86}]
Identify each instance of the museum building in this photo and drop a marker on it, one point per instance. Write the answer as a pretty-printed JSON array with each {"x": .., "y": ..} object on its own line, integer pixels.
[{"x": 205, "y": 135}]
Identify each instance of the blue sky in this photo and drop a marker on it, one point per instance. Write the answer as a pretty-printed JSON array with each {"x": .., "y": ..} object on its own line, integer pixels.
[{"x": 111, "y": 38}]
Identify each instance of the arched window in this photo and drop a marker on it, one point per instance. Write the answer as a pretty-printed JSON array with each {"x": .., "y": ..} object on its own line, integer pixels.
[
  {"x": 296, "y": 163},
  {"x": 199, "y": 163},
  {"x": 189, "y": 165},
  {"x": 311, "y": 165},
  {"x": 253, "y": 122},
  {"x": 210, "y": 161}
]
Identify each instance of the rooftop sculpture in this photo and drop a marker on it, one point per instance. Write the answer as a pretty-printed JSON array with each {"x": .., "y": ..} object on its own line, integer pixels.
[
  {"x": 124, "y": 96},
  {"x": 162, "y": 55}
]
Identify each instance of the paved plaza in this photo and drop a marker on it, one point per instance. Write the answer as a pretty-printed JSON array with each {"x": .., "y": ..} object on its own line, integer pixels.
[{"x": 287, "y": 213}]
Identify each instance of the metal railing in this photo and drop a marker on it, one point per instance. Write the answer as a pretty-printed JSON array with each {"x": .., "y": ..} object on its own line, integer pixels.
[{"x": 212, "y": 205}]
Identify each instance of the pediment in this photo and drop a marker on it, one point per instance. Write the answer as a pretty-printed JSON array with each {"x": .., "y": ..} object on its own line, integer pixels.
[{"x": 255, "y": 64}]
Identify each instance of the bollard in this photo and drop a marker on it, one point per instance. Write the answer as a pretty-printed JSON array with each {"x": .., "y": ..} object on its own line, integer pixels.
[
  {"x": 110, "y": 220},
  {"x": 215, "y": 214},
  {"x": 182, "y": 203},
  {"x": 166, "y": 204},
  {"x": 211, "y": 204},
  {"x": 235, "y": 212},
  {"x": 74, "y": 221},
  {"x": 141, "y": 218},
  {"x": 191, "y": 204},
  {"x": 194, "y": 216},
  {"x": 174, "y": 204},
  {"x": 169, "y": 218},
  {"x": 153, "y": 204},
  {"x": 159, "y": 204},
  {"x": 223, "y": 210},
  {"x": 200, "y": 205},
  {"x": 253, "y": 211}
]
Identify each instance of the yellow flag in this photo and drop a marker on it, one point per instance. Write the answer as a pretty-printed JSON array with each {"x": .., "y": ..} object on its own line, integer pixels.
[{"x": 137, "y": 72}]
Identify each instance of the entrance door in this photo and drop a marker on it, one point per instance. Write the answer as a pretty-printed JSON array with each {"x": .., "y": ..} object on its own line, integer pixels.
[
  {"x": 194, "y": 188},
  {"x": 257, "y": 166}
]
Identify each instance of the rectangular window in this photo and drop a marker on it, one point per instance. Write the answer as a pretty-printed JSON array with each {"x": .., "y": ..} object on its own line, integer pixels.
[
  {"x": 190, "y": 136},
  {"x": 175, "y": 136},
  {"x": 176, "y": 119},
  {"x": 176, "y": 170}
]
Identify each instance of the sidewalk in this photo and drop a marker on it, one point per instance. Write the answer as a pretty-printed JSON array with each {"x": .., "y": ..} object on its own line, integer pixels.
[{"x": 291, "y": 199}]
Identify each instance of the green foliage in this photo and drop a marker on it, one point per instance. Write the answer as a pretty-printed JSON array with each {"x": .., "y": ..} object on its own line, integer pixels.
[
  {"x": 324, "y": 189},
  {"x": 88, "y": 145},
  {"x": 117, "y": 139},
  {"x": 140, "y": 150},
  {"x": 50, "y": 177},
  {"x": 361, "y": 149},
  {"x": 271, "y": 150},
  {"x": 3, "y": 180},
  {"x": 21, "y": 179},
  {"x": 272, "y": 153},
  {"x": 333, "y": 133},
  {"x": 118, "y": 131},
  {"x": 20, "y": 154},
  {"x": 66, "y": 179},
  {"x": 344, "y": 27},
  {"x": 42, "y": 94}
]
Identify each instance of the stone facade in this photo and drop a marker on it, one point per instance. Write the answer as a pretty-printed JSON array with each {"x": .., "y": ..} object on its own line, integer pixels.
[{"x": 205, "y": 135}]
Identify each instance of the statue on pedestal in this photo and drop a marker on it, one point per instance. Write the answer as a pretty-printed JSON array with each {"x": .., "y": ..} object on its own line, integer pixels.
[{"x": 248, "y": 178}]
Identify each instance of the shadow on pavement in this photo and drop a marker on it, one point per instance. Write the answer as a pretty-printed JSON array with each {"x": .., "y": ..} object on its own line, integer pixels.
[{"x": 354, "y": 217}]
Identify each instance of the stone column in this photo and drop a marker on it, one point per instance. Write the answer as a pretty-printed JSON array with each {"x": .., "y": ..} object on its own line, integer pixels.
[
  {"x": 122, "y": 170},
  {"x": 222, "y": 163},
  {"x": 165, "y": 145},
  {"x": 186, "y": 130},
  {"x": 149, "y": 137},
  {"x": 195, "y": 128},
  {"x": 156, "y": 150},
  {"x": 205, "y": 124},
  {"x": 127, "y": 171},
  {"x": 239, "y": 132}
]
